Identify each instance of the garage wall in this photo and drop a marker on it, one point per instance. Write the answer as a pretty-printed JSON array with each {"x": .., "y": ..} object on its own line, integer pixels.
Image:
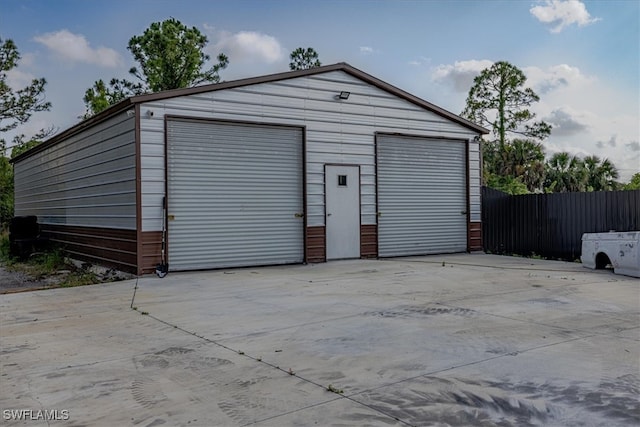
[
  {"x": 336, "y": 131},
  {"x": 83, "y": 191},
  {"x": 86, "y": 180}
]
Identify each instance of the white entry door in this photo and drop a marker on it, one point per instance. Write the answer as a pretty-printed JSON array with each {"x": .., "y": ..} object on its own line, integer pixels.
[{"x": 342, "y": 191}]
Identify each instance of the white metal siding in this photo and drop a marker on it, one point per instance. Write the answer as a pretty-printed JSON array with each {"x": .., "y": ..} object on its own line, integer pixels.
[
  {"x": 234, "y": 192},
  {"x": 422, "y": 191},
  {"x": 88, "y": 179},
  {"x": 336, "y": 131},
  {"x": 475, "y": 183}
]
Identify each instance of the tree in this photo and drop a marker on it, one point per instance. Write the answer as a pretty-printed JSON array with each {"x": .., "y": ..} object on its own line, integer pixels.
[
  {"x": 634, "y": 183},
  {"x": 6, "y": 191},
  {"x": 520, "y": 160},
  {"x": 499, "y": 101},
  {"x": 16, "y": 108},
  {"x": 100, "y": 97},
  {"x": 565, "y": 173},
  {"x": 303, "y": 59},
  {"x": 169, "y": 55},
  {"x": 601, "y": 174},
  {"x": 507, "y": 184},
  {"x": 21, "y": 143}
]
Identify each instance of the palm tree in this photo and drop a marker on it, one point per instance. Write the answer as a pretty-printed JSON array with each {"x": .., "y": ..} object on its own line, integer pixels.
[
  {"x": 601, "y": 174},
  {"x": 565, "y": 173},
  {"x": 527, "y": 157}
]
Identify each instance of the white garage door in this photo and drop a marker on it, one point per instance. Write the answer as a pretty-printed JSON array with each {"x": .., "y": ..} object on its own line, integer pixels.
[
  {"x": 235, "y": 195},
  {"x": 422, "y": 196}
]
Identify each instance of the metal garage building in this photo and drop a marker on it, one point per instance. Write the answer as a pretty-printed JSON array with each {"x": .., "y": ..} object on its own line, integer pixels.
[{"x": 303, "y": 166}]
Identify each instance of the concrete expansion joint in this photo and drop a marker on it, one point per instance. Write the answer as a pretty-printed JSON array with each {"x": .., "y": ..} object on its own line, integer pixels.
[{"x": 330, "y": 388}]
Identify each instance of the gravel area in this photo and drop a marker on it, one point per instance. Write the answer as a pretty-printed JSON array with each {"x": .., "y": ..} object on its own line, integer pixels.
[{"x": 15, "y": 281}]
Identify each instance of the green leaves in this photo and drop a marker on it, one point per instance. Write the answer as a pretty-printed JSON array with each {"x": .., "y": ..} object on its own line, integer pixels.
[
  {"x": 17, "y": 106},
  {"x": 303, "y": 59},
  {"x": 498, "y": 101},
  {"x": 170, "y": 55}
]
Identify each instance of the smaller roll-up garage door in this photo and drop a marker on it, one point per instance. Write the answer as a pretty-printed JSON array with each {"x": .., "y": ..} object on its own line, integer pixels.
[
  {"x": 235, "y": 194},
  {"x": 422, "y": 196}
]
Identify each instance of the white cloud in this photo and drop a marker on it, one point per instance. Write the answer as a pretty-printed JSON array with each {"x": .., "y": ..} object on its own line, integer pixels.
[
  {"x": 249, "y": 46},
  {"x": 75, "y": 47},
  {"x": 561, "y": 14},
  {"x": 366, "y": 50},
  {"x": 17, "y": 79},
  {"x": 566, "y": 122},
  {"x": 422, "y": 60},
  {"x": 612, "y": 142},
  {"x": 633, "y": 146},
  {"x": 555, "y": 77},
  {"x": 461, "y": 73}
]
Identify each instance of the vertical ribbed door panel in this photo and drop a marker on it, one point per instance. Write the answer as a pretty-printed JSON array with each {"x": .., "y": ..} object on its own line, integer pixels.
[
  {"x": 235, "y": 194},
  {"x": 422, "y": 196}
]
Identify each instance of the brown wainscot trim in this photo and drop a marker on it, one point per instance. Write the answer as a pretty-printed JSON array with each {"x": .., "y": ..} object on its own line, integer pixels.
[
  {"x": 110, "y": 247},
  {"x": 316, "y": 246},
  {"x": 151, "y": 251},
  {"x": 368, "y": 241},
  {"x": 475, "y": 236}
]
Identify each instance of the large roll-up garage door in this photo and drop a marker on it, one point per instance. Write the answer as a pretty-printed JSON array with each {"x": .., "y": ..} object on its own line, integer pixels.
[
  {"x": 422, "y": 196},
  {"x": 235, "y": 195}
]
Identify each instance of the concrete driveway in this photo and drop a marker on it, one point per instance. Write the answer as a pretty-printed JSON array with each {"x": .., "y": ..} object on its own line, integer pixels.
[{"x": 441, "y": 340}]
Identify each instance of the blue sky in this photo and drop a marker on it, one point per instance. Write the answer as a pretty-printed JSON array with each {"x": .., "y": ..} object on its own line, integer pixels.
[{"x": 581, "y": 57}]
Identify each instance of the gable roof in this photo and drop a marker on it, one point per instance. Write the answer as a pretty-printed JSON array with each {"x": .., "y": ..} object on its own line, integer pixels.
[{"x": 167, "y": 94}]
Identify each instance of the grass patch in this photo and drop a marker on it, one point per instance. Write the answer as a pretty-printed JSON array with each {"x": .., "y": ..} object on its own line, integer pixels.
[{"x": 50, "y": 264}]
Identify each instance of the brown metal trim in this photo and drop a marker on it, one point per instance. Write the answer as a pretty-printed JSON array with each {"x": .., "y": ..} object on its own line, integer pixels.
[
  {"x": 151, "y": 251},
  {"x": 468, "y": 180},
  {"x": 419, "y": 136},
  {"x": 343, "y": 66},
  {"x": 305, "y": 213},
  {"x": 475, "y": 236},
  {"x": 353, "y": 165},
  {"x": 138, "y": 160},
  {"x": 315, "y": 237},
  {"x": 368, "y": 241},
  {"x": 167, "y": 243},
  {"x": 106, "y": 246},
  {"x": 375, "y": 159}
]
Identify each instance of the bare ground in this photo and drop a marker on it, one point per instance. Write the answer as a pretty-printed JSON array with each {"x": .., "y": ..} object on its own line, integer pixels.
[{"x": 15, "y": 281}]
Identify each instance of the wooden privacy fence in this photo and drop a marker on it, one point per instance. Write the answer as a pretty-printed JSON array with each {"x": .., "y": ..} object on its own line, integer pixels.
[{"x": 551, "y": 225}]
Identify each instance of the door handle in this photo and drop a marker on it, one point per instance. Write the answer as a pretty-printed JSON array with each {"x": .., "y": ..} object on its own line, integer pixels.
[
  {"x": 463, "y": 212},
  {"x": 328, "y": 214},
  {"x": 299, "y": 215}
]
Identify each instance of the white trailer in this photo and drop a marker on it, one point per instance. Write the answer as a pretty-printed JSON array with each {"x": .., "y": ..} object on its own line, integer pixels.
[{"x": 621, "y": 250}]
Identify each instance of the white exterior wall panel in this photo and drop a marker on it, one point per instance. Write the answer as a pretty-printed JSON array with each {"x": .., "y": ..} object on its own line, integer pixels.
[
  {"x": 87, "y": 180},
  {"x": 475, "y": 181},
  {"x": 335, "y": 131}
]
